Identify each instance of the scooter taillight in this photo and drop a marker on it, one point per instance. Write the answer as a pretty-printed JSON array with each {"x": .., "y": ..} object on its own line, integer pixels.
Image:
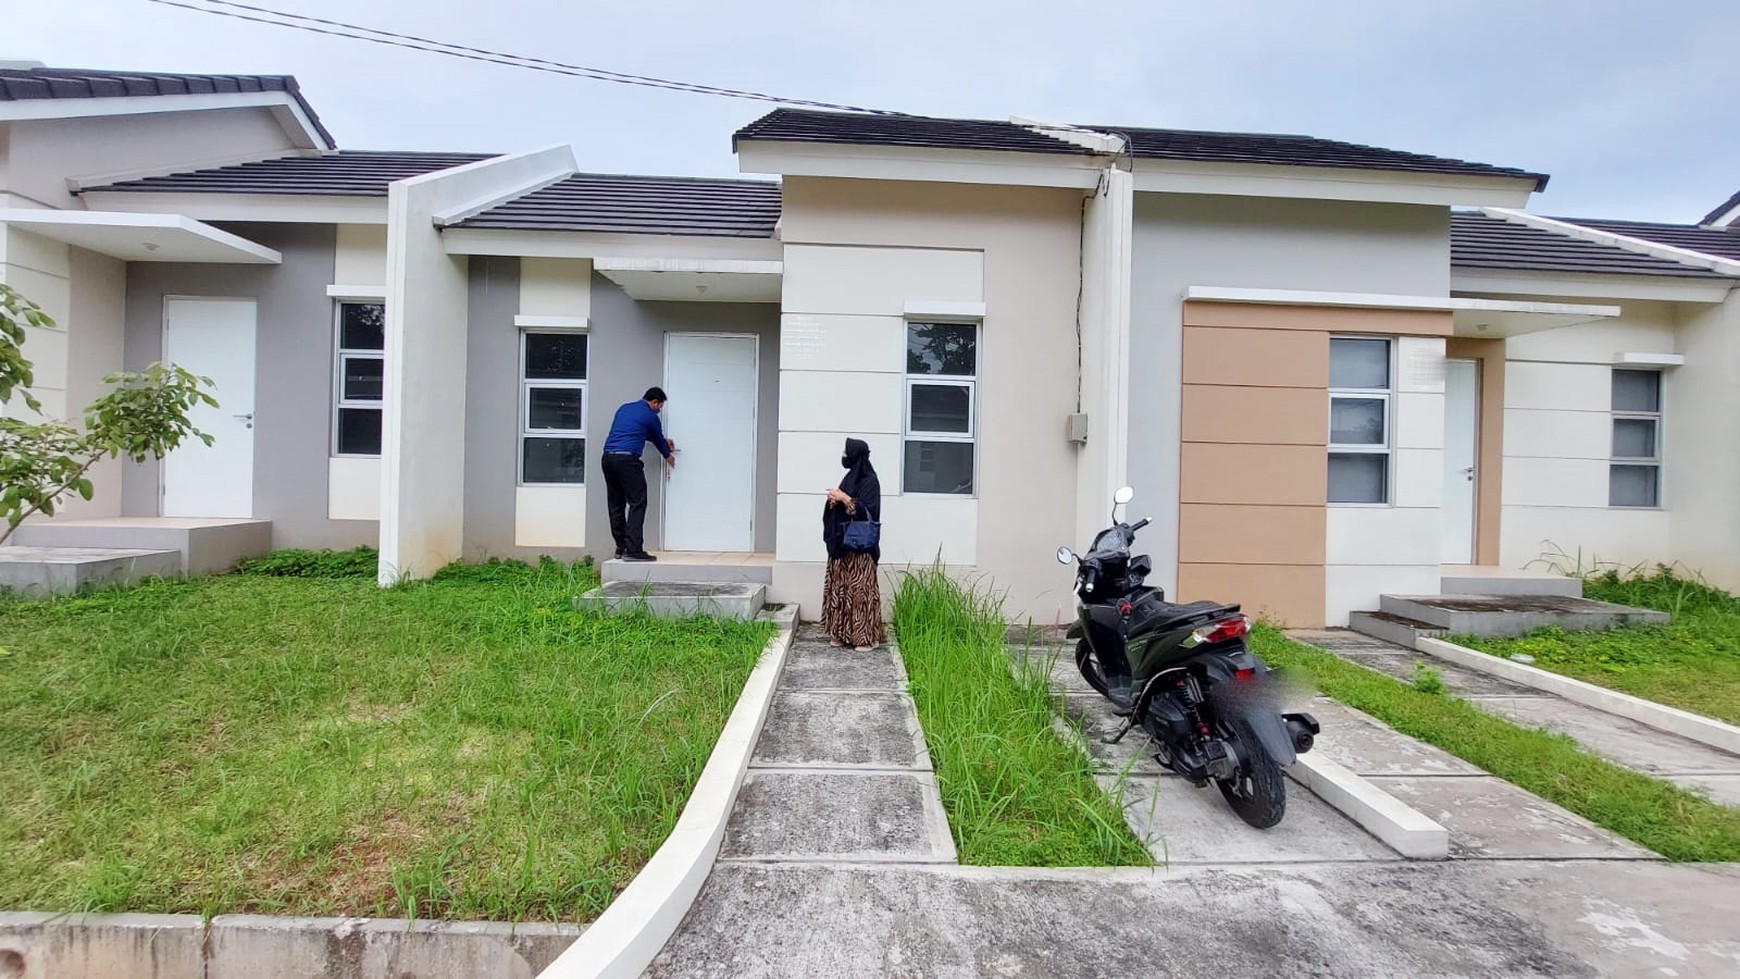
[{"x": 1233, "y": 628}]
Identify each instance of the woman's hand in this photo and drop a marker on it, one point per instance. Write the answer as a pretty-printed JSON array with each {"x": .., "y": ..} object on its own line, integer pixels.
[{"x": 835, "y": 496}]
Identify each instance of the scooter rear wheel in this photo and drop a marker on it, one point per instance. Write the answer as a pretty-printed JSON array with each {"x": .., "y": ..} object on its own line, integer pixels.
[{"x": 1259, "y": 792}]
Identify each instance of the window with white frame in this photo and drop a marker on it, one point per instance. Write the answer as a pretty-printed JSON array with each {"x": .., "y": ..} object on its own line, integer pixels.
[
  {"x": 552, "y": 407},
  {"x": 1359, "y": 420},
  {"x": 1634, "y": 477},
  {"x": 942, "y": 369},
  {"x": 358, "y": 375}
]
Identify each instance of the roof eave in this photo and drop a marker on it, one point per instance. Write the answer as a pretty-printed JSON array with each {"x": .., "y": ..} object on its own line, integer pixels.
[{"x": 1333, "y": 183}]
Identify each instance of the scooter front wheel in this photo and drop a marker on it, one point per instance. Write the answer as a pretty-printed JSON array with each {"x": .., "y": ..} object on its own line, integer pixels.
[
  {"x": 1090, "y": 668},
  {"x": 1258, "y": 793}
]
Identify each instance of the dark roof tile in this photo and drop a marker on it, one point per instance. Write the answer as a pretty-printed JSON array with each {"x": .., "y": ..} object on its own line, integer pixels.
[
  {"x": 21, "y": 84},
  {"x": 1484, "y": 242},
  {"x": 793, "y": 125},
  {"x": 1717, "y": 242},
  {"x": 347, "y": 173},
  {"x": 642, "y": 205}
]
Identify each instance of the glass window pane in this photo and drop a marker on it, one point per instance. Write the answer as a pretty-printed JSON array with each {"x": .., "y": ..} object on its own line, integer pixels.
[
  {"x": 1634, "y": 438},
  {"x": 1359, "y": 363},
  {"x": 1637, "y": 391},
  {"x": 362, "y": 378},
  {"x": 1356, "y": 421},
  {"x": 1361, "y": 478},
  {"x": 557, "y": 408},
  {"x": 362, "y": 326},
  {"x": 359, "y": 431},
  {"x": 941, "y": 408},
  {"x": 556, "y": 355},
  {"x": 942, "y": 348},
  {"x": 550, "y": 460},
  {"x": 1632, "y": 486},
  {"x": 939, "y": 467}
]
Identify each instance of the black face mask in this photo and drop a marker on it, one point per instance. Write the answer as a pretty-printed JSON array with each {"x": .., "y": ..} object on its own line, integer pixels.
[{"x": 845, "y": 462}]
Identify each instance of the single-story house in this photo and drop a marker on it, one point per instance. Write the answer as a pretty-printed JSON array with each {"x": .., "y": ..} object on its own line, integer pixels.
[{"x": 1329, "y": 371}]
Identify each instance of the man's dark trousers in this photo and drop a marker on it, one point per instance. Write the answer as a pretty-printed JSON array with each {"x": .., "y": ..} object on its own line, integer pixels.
[{"x": 625, "y": 487}]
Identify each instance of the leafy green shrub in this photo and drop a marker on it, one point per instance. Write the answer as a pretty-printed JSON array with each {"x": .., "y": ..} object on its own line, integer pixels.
[
  {"x": 359, "y": 562},
  {"x": 1428, "y": 679}
]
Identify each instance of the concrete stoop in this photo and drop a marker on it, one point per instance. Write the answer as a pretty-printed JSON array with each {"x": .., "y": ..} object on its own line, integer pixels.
[
  {"x": 676, "y": 599},
  {"x": 203, "y": 545},
  {"x": 41, "y": 572},
  {"x": 1398, "y": 629},
  {"x": 679, "y": 566},
  {"x": 1503, "y": 615}
]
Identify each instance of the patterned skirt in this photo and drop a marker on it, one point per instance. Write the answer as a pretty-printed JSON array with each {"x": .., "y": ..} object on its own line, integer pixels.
[{"x": 852, "y": 601}]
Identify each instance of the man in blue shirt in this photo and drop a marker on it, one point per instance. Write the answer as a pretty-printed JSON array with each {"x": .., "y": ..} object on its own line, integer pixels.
[{"x": 636, "y": 424}]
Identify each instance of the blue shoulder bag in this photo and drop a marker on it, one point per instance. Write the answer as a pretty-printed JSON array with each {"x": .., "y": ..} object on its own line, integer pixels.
[{"x": 862, "y": 535}]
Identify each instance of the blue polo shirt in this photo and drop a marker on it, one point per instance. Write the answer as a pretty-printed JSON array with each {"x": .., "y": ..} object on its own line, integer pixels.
[{"x": 635, "y": 425}]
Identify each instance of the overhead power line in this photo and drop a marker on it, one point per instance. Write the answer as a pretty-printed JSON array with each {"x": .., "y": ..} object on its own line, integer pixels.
[{"x": 357, "y": 32}]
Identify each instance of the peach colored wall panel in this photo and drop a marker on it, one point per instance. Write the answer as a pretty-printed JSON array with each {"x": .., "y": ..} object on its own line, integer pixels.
[
  {"x": 1256, "y": 358},
  {"x": 1279, "y": 416},
  {"x": 1290, "y": 595},
  {"x": 1277, "y": 475},
  {"x": 1231, "y": 534},
  {"x": 1489, "y": 503},
  {"x": 1325, "y": 319}
]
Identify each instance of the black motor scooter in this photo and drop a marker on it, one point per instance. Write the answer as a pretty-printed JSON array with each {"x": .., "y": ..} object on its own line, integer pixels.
[{"x": 1185, "y": 674}]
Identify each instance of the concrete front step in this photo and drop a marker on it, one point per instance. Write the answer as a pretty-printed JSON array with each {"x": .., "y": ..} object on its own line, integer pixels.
[
  {"x": 1513, "y": 615},
  {"x": 1393, "y": 628},
  {"x": 690, "y": 566},
  {"x": 1486, "y": 580},
  {"x": 205, "y": 545},
  {"x": 40, "y": 572},
  {"x": 677, "y": 599}
]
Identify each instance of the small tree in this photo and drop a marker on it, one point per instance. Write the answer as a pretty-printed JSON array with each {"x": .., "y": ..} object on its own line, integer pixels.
[{"x": 143, "y": 416}]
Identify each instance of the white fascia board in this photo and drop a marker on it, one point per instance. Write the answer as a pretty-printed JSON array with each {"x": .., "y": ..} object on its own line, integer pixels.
[
  {"x": 1724, "y": 219},
  {"x": 266, "y": 208},
  {"x": 1582, "y": 285},
  {"x": 1685, "y": 256},
  {"x": 364, "y": 293},
  {"x": 285, "y": 109},
  {"x": 932, "y": 165},
  {"x": 1374, "y": 300},
  {"x": 1088, "y": 139},
  {"x": 1650, "y": 360},
  {"x": 520, "y": 243},
  {"x": 734, "y": 266},
  {"x": 1327, "y": 183},
  {"x": 918, "y": 309},
  {"x": 577, "y": 323},
  {"x": 141, "y": 237},
  {"x": 536, "y": 170}
]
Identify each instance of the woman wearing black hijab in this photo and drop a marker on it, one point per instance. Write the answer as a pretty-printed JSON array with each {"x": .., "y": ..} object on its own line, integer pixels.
[{"x": 851, "y": 597}]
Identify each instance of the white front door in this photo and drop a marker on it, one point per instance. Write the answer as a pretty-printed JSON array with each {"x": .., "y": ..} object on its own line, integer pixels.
[
  {"x": 1461, "y": 457},
  {"x": 709, "y": 498},
  {"x": 213, "y": 338}
]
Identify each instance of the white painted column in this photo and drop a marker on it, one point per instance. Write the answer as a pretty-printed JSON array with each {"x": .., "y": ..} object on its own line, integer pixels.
[
  {"x": 422, "y": 437},
  {"x": 1107, "y": 230}
]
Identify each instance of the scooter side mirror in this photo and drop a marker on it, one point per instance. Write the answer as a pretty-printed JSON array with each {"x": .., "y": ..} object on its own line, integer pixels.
[
  {"x": 1065, "y": 556},
  {"x": 1124, "y": 495}
]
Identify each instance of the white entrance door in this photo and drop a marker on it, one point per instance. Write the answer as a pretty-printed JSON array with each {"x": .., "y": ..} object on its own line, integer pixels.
[
  {"x": 213, "y": 338},
  {"x": 710, "y": 497},
  {"x": 1461, "y": 455}
]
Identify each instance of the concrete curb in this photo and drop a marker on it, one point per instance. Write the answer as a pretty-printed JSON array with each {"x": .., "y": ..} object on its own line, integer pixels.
[
  {"x": 623, "y": 941},
  {"x": 1707, "y": 730},
  {"x": 1400, "y": 826}
]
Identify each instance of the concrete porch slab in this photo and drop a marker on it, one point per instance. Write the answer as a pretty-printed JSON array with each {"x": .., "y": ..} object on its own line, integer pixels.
[
  {"x": 1184, "y": 824},
  {"x": 206, "y": 545},
  {"x": 857, "y": 816},
  {"x": 861, "y": 729},
  {"x": 1513, "y": 615},
  {"x": 1478, "y": 579},
  {"x": 1489, "y": 818},
  {"x": 814, "y": 665},
  {"x": 42, "y": 572},
  {"x": 723, "y": 566},
  {"x": 676, "y": 599}
]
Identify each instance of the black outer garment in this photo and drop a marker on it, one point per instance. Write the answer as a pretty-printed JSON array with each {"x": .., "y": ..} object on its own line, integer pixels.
[{"x": 865, "y": 489}]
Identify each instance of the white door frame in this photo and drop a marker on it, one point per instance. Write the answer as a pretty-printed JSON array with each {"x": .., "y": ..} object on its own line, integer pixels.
[
  {"x": 163, "y": 358},
  {"x": 1474, "y": 455},
  {"x": 754, "y": 425}
]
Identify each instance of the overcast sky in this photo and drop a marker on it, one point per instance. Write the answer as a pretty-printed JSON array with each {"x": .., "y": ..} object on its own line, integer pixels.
[{"x": 1629, "y": 104}]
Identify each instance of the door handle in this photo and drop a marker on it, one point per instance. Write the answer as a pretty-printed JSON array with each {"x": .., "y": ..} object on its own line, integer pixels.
[
  {"x": 1469, "y": 472},
  {"x": 247, "y": 417}
]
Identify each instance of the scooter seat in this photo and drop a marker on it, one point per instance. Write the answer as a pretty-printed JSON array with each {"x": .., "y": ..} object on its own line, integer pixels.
[{"x": 1167, "y": 616}]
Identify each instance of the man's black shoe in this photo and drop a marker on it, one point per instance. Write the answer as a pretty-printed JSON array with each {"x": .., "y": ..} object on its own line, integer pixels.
[
  {"x": 638, "y": 556},
  {"x": 619, "y": 555}
]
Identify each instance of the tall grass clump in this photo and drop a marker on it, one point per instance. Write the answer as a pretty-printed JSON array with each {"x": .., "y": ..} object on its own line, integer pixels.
[{"x": 1016, "y": 793}]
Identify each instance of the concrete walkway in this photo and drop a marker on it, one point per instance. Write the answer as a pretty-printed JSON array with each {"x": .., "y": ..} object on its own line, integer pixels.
[
  {"x": 838, "y": 864},
  {"x": 1687, "y": 763},
  {"x": 841, "y": 772}
]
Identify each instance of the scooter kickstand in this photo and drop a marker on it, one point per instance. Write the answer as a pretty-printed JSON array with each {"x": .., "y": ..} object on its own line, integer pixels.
[{"x": 1129, "y": 722}]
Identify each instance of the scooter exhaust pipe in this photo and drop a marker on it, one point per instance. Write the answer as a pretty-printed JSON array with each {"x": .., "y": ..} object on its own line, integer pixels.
[{"x": 1303, "y": 729}]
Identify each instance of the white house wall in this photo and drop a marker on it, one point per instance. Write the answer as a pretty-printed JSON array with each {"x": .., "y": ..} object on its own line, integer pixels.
[
  {"x": 1558, "y": 439},
  {"x": 1703, "y": 444}
]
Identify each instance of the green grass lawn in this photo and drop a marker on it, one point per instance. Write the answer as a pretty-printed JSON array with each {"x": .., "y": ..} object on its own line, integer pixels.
[
  {"x": 1692, "y": 663},
  {"x": 1673, "y": 822},
  {"x": 467, "y": 747},
  {"x": 1016, "y": 793}
]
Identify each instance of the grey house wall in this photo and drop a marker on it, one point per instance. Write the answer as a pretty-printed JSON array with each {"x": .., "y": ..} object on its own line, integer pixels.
[
  {"x": 1255, "y": 243},
  {"x": 626, "y": 356},
  {"x": 293, "y": 376}
]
